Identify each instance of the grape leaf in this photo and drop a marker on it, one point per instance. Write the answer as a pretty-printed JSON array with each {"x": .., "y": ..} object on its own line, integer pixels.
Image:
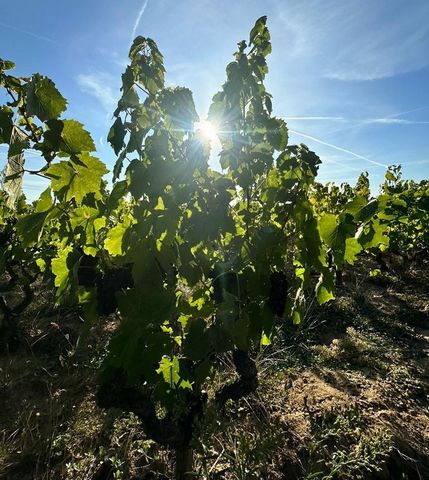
[
  {"x": 114, "y": 238},
  {"x": 75, "y": 139},
  {"x": 61, "y": 269},
  {"x": 169, "y": 369},
  {"x": 29, "y": 227},
  {"x": 75, "y": 180},
  {"x": 325, "y": 287},
  {"x": 43, "y": 99}
]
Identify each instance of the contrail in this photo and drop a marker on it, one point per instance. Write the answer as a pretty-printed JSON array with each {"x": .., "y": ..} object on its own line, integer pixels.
[
  {"x": 396, "y": 121},
  {"x": 139, "y": 17},
  {"x": 408, "y": 111},
  {"x": 31, "y": 34},
  {"x": 340, "y": 149},
  {"x": 389, "y": 120}
]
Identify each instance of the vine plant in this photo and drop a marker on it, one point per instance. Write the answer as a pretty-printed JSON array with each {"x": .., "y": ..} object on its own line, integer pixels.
[{"x": 197, "y": 263}]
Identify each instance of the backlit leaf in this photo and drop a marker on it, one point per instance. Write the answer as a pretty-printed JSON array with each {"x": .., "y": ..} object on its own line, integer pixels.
[{"x": 43, "y": 99}]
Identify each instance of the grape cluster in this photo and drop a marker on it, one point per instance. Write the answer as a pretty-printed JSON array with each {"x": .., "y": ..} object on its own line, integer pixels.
[
  {"x": 108, "y": 282},
  {"x": 278, "y": 293}
]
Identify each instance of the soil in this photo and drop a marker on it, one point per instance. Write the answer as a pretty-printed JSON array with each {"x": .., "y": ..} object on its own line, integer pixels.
[{"x": 343, "y": 396}]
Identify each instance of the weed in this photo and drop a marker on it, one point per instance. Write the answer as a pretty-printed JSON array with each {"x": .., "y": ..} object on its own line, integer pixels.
[{"x": 343, "y": 447}]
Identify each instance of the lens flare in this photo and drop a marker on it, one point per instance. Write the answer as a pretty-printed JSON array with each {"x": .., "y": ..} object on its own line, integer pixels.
[{"x": 207, "y": 130}]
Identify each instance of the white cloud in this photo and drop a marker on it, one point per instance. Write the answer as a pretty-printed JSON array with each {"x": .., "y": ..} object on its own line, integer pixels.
[
  {"x": 358, "y": 40},
  {"x": 99, "y": 85}
]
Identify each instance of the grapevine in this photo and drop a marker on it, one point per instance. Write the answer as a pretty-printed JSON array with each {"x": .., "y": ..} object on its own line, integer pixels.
[{"x": 196, "y": 263}]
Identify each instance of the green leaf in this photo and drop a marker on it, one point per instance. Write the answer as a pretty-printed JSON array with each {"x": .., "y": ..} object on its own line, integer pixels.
[
  {"x": 355, "y": 206},
  {"x": 390, "y": 177},
  {"x": 374, "y": 272},
  {"x": 116, "y": 135},
  {"x": 179, "y": 106},
  {"x": 29, "y": 227},
  {"x": 86, "y": 222},
  {"x": 146, "y": 306},
  {"x": 326, "y": 286},
  {"x": 75, "y": 180},
  {"x": 353, "y": 248},
  {"x": 45, "y": 201},
  {"x": 88, "y": 301},
  {"x": 75, "y": 139},
  {"x": 118, "y": 191},
  {"x": 335, "y": 235},
  {"x": 277, "y": 133},
  {"x": 43, "y": 99},
  {"x": 114, "y": 238},
  {"x": 327, "y": 225},
  {"x": 136, "y": 175},
  {"x": 62, "y": 266},
  {"x": 79, "y": 217},
  {"x": 147, "y": 63},
  {"x": 41, "y": 264},
  {"x": 258, "y": 28},
  {"x": 6, "y": 65},
  {"x": 311, "y": 245},
  {"x": 374, "y": 235},
  {"x": 368, "y": 211},
  {"x": 6, "y": 124},
  {"x": 169, "y": 369}
]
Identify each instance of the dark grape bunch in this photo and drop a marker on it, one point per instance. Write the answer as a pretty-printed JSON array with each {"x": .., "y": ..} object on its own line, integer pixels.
[
  {"x": 278, "y": 293},
  {"x": 108, "y": 282}
]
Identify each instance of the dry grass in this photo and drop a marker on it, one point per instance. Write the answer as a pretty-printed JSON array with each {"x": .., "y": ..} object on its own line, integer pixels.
[{"x": 345, "y": 397}]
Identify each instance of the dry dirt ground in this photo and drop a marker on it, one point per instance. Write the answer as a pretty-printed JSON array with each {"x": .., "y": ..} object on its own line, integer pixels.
[{"x": 344, "y": 396}]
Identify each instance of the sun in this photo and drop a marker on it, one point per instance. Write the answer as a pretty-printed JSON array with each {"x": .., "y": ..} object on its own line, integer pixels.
[{"x": 207, "y": 130}]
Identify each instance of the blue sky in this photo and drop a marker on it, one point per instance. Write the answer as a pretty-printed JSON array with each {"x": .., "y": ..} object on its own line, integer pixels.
[{"x": 350, "y": 76}]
